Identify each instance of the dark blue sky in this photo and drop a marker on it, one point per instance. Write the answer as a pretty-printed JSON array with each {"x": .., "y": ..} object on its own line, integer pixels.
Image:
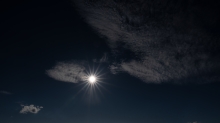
[{"x": 35, "y": 35}]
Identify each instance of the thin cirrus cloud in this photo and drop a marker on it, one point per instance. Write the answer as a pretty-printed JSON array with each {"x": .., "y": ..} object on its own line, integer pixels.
[
  {"x": 194, "y": 122},
  {"x": 167, "y": 42},
  {"x": 30, "y": 109},
  {"x": 73, "y": 71},
  {"x": 5, "y": 92}
]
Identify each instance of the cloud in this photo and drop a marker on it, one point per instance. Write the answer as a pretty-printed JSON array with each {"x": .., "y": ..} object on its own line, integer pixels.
[
  {"x": 5, "y": 92},
  {"x": 194, "y": 122},
  {"x": 30, "y": 109},
  {"x": 158, "y": 41},
  {"x": 68, "y": 71},
  {"x": 104, "y": 58}
]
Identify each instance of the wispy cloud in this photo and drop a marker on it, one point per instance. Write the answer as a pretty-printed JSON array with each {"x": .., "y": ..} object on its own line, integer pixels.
[
  {"x": 5, "y": 92},
  {"x": 30, "y": 109},
  {"x": 194, "y": 122},
  {"x": 163, "y": 46},
  {"x": 67, "y": 71},
  {"x": 104, "y": 58}
]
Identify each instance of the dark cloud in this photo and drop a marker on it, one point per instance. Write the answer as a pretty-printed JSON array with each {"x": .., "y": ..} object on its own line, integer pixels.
[
  {"x": 167, "y": 40},
  {"x": 73, "y": 71},
  {"x": 30, "y": 109}
]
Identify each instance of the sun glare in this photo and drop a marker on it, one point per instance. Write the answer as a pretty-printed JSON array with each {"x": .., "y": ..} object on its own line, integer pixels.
[{"x": 92, "y": 79}]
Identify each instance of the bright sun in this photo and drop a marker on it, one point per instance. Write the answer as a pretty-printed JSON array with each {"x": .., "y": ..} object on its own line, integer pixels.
[{"x": 92, "y": 79}]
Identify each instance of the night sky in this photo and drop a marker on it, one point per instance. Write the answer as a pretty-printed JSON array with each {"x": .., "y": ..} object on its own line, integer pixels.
[{"x": 155, "y": 61}]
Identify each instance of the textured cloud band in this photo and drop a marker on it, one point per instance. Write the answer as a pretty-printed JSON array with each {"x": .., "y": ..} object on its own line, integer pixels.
[
  {"x": 67, "y": 71},
  {"x": 161, "y": 40},
  {"x": 30, "y": 109}
]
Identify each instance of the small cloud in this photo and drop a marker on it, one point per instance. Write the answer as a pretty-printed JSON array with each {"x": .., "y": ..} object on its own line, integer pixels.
[
  {"x": 30, "y": 109},
  {"x": 67, "y": 71},
  {"x": 194, "y": 122},
  {"x": 114, "y": 68},
  {"x": 104, "y": 58},
  {"x": 5, "y": 92}
]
